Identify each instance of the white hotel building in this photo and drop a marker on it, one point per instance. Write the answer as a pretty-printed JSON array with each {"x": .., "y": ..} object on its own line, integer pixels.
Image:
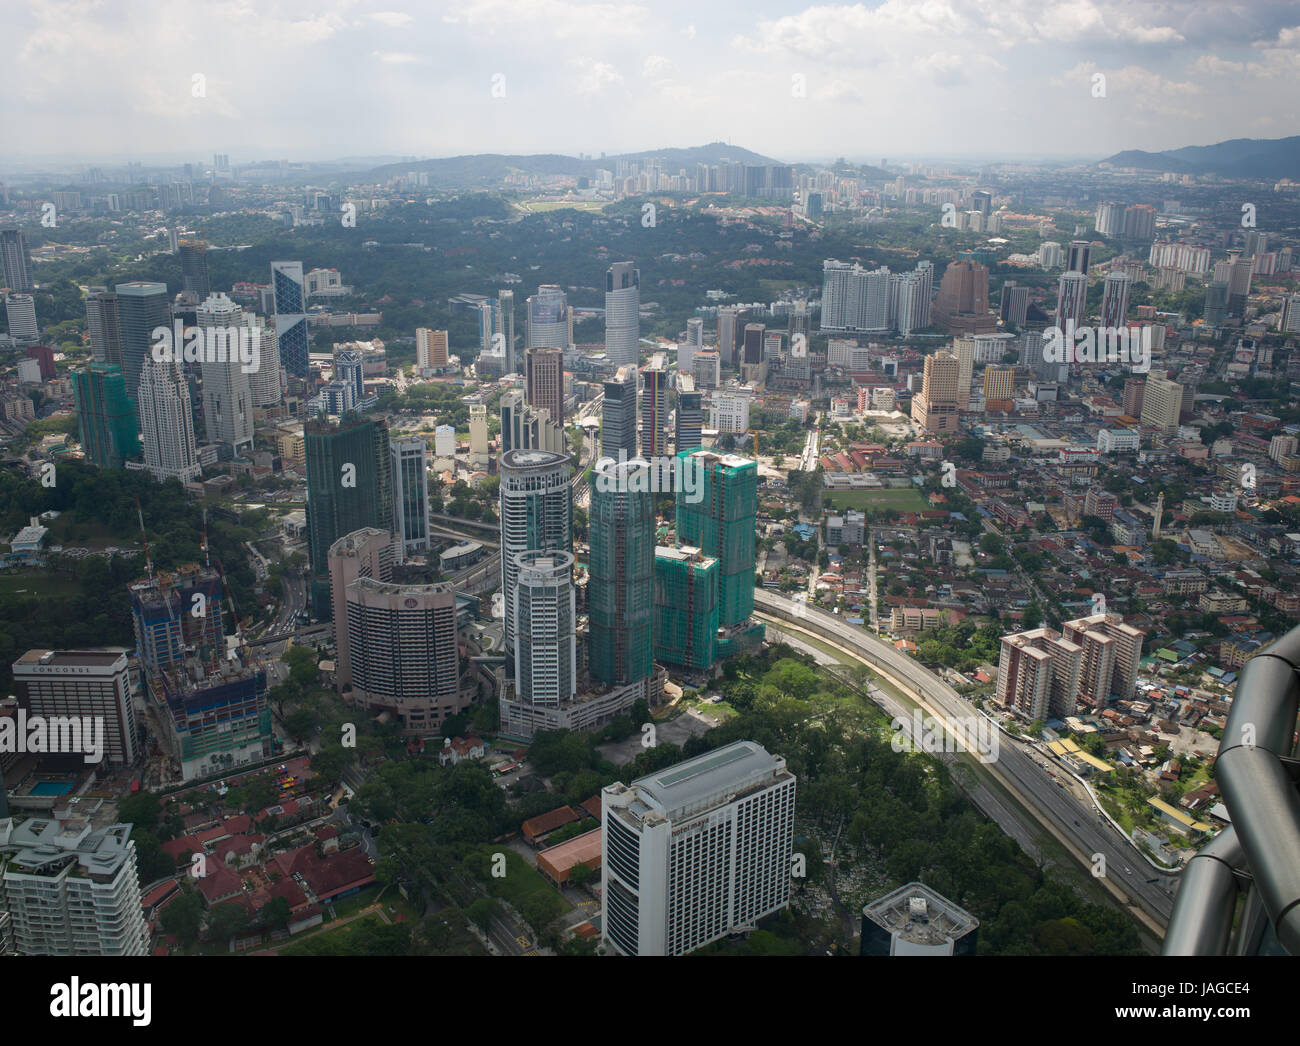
[{"x": 697, "y": 851}]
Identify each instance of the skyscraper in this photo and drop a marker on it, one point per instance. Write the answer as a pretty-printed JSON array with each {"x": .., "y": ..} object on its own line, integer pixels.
[
  {"x": 505, "y": 326},
  {"x": 265, "y": 380},
  {"x": 102, "y": 325},
  {"x": 1110, "y": 218},
  {"x": 410, "y": 464},
  {"x": 348, "y": 368},
  {"x": 622, "y": 313},
  {"x": 547, "y": 314},
  {"x": 618, "y": 415},
  {"x": 15, "y": 259},
  {"x": 227, "y": 392},
  {"x": 290, "y": 299},
  {"x": 694, "y": 343},
  {"x": 685, "y": 607},
  {"x": 166, "y": 422},
  {"x": 1014, "y": 304},
  {"x": 1114, "y": 299},
  {"x": 722, "y": 525},
  {"x": 194, "y": 268},
  {"x": 368, "y": 552},
  {"x": 93, "y": 683},
  {"x": 431, "y": 348},
  {"x": 545, "y": 381},
  {"x": 690, "y": 417},
  {"x": 728, "y": 326},
  {"x": 20, "y": 315},
  {"x": 536, "y": 515},
  {"x": 1162, "y": 402},
  {"x": 621, "y": 575},
  {"x": 696, "y": 851},
  {"x": 142, "y": 307},
  {"x": 1112, "y": 652},
  {"x": 546, "y": 648},
  {"x": 106, "y": 420},
  {"x": 962, "y": 304},
  {"x": 349, "y": 486},
  {"x": 1078, "y": 256},
  {"x": 935, "y": 408},
  {"x": 1071, "y": 302},
  {"x": 654, "y": 407}
]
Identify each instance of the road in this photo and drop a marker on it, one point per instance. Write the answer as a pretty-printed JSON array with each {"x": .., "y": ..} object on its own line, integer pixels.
[
  {"x": 808, "y": 460},
  {"x": 1130, "y": 876}
]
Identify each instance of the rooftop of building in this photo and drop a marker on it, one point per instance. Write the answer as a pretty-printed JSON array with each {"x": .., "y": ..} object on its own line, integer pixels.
[
  {"x": 920, "y": 915},
  {"x": 72, "y": 658},
  {"x": 705, "y": 781}
]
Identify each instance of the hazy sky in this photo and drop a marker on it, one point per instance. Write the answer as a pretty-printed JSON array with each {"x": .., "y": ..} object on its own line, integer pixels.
[{"x": 316, "y": 79}]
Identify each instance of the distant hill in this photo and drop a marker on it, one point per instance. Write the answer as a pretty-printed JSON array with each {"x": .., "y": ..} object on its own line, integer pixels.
[
  {"x": 486, "y": 169},
  {"x": 1239, "y": 158}
]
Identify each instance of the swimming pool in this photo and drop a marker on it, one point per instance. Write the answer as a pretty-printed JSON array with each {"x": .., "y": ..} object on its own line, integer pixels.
[{"x": 52, "y": 788}]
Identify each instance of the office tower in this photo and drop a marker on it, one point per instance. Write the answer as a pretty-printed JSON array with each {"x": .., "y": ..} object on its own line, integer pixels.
[
  {"x": 349, "y": 486},
  {"x": 1140, "y": 222},
  {"x": 227, "y": 392},
  {"x": 1134, "y": 396},
  {"x": 505, "y": 326},
  {"x": 622, "y": 313},
  {"x": 290, "y": 304},
  {"x": 1078, "y": 256},
  {"x": 78, "y": 683},
  {"x": 999, "y": 387},
  {"x": 487, "y": 325},
  {"x": 106, "y": 421},
  {"x": 1071, "y": 305},
  {"x": 1114, "y": 300},
  {"x": 544, "y": 611},
  {"x": 545, "y": 381},
  {"x": 1235, "y": 271},
  {"x": 1162, "y": 402},
  {"x": 752, "y": 353},
  {"x": 707, "y": 369},
  {"x": 721, "y": 524},
  {"x": 164, "y": 620},
  {"x": 1014, "y": 305},
  {"x": 935, "y": 408},
  {"x": 618, "y": 415},
  {"x": 1288, "y": 319},
  {"x": 444, "y": 442},
  {"x": 72, "y": 888},
  {"x": 685, "y": 607},
  {"x": 44, "y": 357},
  {"x": 194, "y": 268},
  {"x": 102, "y": 325},
  {"x": 1112, "y": 652},
  {"x": 963, "y": 347},
  {"x": 654, "y": 407},
  {"x": 690, "y": 420},
  {"x": 915, "y": 920},
  {"x": 729, "y": 409},
  {"x": 524, "y": 427},
  {"x": 1216, "y": 303},
  {"x": 547, "y": 316},
  {"x": 265, "y": 380},
  {"x": 142, "y": 307},
  {"x": 536, "y": 515},
  {"x": 696, "y": 851},
  {"x": 728, "y": 327},
  {"x": 365, "y": 553},
  {"x": 20, "y": 314},
  {"x": 349, "y": 369},
  {"x": 982, "y": 201},
  {"x": 15, "y": 260},
  {"x": 962, "y": 305},
  {"x": 1110, "y": 218},
  {"x": 410, "y": 469},
  {"x": 163, "y": 406},
  {"x": 404, "y": 657},
  {"x": 478, "y": 435},
  {"x": 1038, "y": 673},
  {"x": 694, "y": 343},
  {"x": 621, "y": 575},
  {"x": 431, "y": 349}
]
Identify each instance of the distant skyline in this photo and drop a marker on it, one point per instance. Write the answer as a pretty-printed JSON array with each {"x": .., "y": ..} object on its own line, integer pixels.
[{"x": 316, "y": 80}]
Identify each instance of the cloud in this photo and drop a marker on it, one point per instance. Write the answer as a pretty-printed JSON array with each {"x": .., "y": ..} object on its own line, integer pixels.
[
  {"x": 395, "y": 57},
  {"x": 594, "y": 76},
  {"x": 392, "y": 19}
]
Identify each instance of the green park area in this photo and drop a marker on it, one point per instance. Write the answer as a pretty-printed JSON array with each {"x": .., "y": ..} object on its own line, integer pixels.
[{"x": 899, "y": 499}]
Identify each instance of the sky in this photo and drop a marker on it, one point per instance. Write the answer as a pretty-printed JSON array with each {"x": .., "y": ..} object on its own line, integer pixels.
[{"x": 892, "y": 79}]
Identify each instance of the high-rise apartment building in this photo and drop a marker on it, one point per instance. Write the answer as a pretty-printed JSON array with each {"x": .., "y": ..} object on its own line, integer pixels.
[
  {"x": 106, "y": 420},
  {"x": 536, "y": 516},
  {"x": 1114, "y": 299},
  {"x": 265, "y": 381},
  {"x": 15, "y": 260},
  {"x": 141, "y": 308},
  {"x": 694, "y": 343},
  {"x": 935, "y": 408},
  {"x": 71, "y": 888},
  {"x": 410, "y": 470},
  {"x": 721, "y": 523},
  {"x": 290, "y": 304},
  {"x": 1078, "y": 256},
  {"x": 349, "y": 486},
  {"x": 505, "y": 326},
  {"x": 1110, "y": 218},
  {"x": 227, "y": 391},
  {"x": 696, "y": 851},
  {"x": 103, "y": 327},
  {"x": 1039, "y": 673},
  {"x": 166, "y": 423},
  {"x": 92, "y": 683},
  {"x": 365, "y": 553},
  {"x": 999, "y": 387},
  {"x": 20, "y": 315},
  {"x": 545, "y": 616},
  {"x": 431, "y": 349},
  {"x": 545, "y": 381},
  {"x": 1112, "y": 652},
  {"x": 654, "y": 407},
  {"x": 621, "y": 575},
  {"x": 1162, "y": 401},
  {"x": 1071, "y": 303},
  {"x": 1134, "y": 396},
  {"x": 685, "y": 607},
  {"x": 622, "y": 313}
]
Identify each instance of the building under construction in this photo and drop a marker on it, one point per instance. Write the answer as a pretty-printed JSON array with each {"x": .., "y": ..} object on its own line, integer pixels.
[
  {"x": 686, "y": 607},
  {"x": 174, "y": 612}
]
